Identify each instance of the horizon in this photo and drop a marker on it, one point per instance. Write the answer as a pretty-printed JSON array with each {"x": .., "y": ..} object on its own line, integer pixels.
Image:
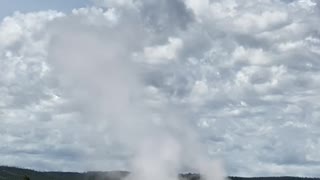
[{"x": 181, "y": 173}]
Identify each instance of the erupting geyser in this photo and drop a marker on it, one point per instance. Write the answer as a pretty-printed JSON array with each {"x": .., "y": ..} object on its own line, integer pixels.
[{"x": 107, "y": 71}]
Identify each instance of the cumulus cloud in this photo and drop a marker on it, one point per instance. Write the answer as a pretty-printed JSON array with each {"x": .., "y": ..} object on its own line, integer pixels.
[
  {"x": 163, "y": 54},
  {"x": 104, "y": 86}
]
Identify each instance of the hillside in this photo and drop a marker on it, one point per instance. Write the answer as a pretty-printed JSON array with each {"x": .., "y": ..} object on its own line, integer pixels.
[{"x": 13, "y": 173}]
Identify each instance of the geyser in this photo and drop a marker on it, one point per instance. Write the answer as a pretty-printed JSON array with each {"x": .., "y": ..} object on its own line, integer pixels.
[{"x": 111, "y": 71}]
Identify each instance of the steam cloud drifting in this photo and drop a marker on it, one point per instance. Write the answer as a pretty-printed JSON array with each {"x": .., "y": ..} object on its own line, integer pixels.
[
  {"x": 163, "y": 87},
  {"x": 107, "y": 70}
]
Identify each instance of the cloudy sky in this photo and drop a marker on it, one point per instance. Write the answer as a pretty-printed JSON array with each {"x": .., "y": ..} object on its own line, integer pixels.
[{"x": 172, "y": 84}]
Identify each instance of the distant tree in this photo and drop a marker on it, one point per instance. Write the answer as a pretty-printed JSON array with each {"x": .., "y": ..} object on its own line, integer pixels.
[
  {"x": 92, "y": 177},
  {"x": 26, "y": 177}
]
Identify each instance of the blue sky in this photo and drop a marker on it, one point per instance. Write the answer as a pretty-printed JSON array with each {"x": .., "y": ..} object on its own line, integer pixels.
[{"x": 7, "y": 7}]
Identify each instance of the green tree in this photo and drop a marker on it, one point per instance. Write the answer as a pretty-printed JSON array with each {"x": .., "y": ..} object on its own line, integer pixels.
[{"x": 26, "y": 177}]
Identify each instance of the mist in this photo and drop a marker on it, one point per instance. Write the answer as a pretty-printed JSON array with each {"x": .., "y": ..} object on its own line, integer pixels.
[{"x": 103, "y": 68}]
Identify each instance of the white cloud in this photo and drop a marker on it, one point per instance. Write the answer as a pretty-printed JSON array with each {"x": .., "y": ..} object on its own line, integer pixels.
[
  {"x": 114, "y": 3},
  {"x": 97, "y": 16},
  {"x": 251, "y": 55},
  {"x": 163, "y": 53},
  {"x": 21, "y": 26},
  {"x": 249, "y": 22}
]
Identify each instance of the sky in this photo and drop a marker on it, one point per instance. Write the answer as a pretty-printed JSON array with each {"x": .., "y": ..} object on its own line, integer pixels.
[
  {"x": 8, "y": 7},
  {"x": 160, "y": 87}
]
